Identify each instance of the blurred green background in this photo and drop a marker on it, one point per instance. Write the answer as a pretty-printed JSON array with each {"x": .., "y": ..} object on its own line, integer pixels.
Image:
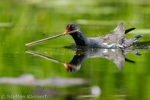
[{"x": 23, "y": 21}]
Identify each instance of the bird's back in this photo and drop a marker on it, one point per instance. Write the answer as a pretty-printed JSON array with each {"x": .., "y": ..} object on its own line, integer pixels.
[{"x": 115, "y": 39}]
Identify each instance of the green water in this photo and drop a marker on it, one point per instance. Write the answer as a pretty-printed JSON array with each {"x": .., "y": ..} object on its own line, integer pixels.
[{"x": 24, "y": 21}]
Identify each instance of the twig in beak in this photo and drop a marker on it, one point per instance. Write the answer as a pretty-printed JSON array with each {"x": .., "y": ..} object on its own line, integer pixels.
[{"x": 49, "y": 38}]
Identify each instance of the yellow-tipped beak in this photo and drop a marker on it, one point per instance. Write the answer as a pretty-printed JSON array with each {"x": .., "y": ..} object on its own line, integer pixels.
[
  {"x": 64, "y": 64},
  {"x": 64, "y": 33},
  {"x": 67, "y": 67}
]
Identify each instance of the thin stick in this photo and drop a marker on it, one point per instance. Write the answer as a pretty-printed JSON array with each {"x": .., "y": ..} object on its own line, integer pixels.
[
  {"x": 43, "y": 56},
  {"x": 39, "y": 41},
  {"x": 49, "y": 38}
]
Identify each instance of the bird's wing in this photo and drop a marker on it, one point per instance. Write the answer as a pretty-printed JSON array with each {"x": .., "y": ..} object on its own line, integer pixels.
[{"x": 116, "y": 36}]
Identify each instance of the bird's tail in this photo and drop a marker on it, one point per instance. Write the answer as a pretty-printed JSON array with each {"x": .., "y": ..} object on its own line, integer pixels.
[
  {"x": 128, "y": 30},
  {"x": 129, "y": 42},
  {"x": 136, "y": 38}
]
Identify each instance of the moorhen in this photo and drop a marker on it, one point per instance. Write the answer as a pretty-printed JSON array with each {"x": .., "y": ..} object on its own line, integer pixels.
[{"x": 115, "y": 39}]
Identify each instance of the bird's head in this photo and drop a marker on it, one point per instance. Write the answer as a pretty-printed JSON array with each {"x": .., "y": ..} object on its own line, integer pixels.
[
  {"x": 71, "y": 68},
  {"x": 71, "y": 27}
]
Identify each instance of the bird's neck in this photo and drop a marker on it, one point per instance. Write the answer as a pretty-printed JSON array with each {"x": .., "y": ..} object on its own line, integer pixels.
[
  {"x": 78, "y": 60},
  {"x": 80, "y": 38}
]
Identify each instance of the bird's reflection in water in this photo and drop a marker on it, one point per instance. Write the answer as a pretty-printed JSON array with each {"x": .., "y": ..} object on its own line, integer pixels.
[{"x": 115, "y": 55}]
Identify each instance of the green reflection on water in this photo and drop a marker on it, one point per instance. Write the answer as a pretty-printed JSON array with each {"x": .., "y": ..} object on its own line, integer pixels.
[{"x": 30, "y": 20}]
